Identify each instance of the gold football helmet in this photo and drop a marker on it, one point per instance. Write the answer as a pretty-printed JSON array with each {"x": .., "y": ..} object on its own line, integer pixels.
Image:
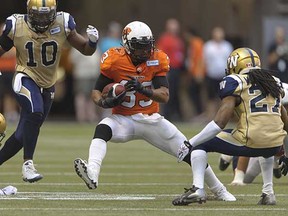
[
  {"x": 240, "y": 59},
  {"x": 2, "y": 127},
  {"x": 41, "y": 14}
]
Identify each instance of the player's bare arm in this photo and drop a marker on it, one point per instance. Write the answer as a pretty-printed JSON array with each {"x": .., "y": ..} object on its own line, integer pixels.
[
  {"x": 1, "y": 51},
  {"x": 225, "y": 111},
  {"x": 96, "y": 96},
  {"x": 160, "y": 95},
  {"x": 86, "y": 47},
  {"x": 284, "y": 117}
]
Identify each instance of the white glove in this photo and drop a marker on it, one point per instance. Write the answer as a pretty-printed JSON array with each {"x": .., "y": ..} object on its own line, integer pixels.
[
  {"x": 184, "y": 150},
  {"x": 92, "y": 33}
]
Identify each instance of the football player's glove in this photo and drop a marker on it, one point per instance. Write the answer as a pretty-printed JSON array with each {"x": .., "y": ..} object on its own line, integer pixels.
[
  {"x": 184, "y": 150},
  {"x": 283, "y": 162},
  {"x": 135, "y": 85},
  {"x": 110, "y": 101},
  {"x": 92, "y": 34}
]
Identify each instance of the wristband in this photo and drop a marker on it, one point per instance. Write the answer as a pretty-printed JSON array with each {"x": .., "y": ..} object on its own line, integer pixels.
[
  {"x": 92, "y": 44},
  {"x": 147, "y": 92}
]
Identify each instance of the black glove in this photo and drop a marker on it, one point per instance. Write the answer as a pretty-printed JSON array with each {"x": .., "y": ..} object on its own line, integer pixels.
[
  {"x": 284, "y": 167},
  {"x": 110, "y": 101},
  {"x": 135, "y": 85}
]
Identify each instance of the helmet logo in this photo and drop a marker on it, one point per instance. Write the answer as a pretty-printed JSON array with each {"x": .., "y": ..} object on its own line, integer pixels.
[
  {"x": 249, "y": 64},
  {"x": 232, "y": 61},
  {"x": 126, "y": 32}
]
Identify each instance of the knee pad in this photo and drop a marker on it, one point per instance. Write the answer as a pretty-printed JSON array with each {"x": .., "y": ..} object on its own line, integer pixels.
[{"x": 103, "y": 131}]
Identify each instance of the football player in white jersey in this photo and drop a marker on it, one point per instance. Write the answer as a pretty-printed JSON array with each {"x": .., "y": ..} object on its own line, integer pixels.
[
  {"x": 38, "y": 37},
  {"x": 255, "y": 96}
]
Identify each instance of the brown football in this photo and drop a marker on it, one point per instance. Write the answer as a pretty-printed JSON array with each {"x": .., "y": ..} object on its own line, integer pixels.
[{"x": 118, "y": 88}]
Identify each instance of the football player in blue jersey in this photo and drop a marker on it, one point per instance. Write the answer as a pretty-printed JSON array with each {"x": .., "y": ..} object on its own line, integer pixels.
[
  {"x": 255, "y": 96},
  {"x": 38, "y": 37}
]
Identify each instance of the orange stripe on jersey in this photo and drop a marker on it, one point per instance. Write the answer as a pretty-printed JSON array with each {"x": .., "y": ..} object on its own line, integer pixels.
[{"x": 117, "y": 65}]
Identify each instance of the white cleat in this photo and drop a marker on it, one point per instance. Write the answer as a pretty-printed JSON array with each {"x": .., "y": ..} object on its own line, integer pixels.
[
  {"x": 224, "y": 195},
  {"x": 85, "y": 173},
  {"x": 29, "y": 173},
  {"x": 9, "y": 190}
]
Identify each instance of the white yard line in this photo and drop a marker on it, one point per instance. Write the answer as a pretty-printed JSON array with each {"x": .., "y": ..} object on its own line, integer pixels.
[
  {"x": 97, "y": 196},
  {"x": 145, "y": 209}
]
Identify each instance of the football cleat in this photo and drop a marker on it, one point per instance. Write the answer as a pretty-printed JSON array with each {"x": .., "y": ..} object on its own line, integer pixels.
[
  {"x": 277, "y": 172},
  {"x": 29, "y": 173},
  {"x": 9, "y": 190},
  {"x": 267, "y": 199},
  {"x": 81, "y": 168},
  {"x": 223, "y": 165},
  {"x": 224, "y": 195},
  {"x": 191, "y": 195}
]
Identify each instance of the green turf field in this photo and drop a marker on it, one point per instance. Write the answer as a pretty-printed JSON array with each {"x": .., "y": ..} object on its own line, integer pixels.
[{"x": 136, "y": 179}]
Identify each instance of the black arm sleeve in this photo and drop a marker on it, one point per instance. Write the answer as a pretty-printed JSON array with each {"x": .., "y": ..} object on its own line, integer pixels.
[
  {"x": 101, "y": 82},
  {"x": 5, "y": 42},
  {"x": 159, "y": 81}
]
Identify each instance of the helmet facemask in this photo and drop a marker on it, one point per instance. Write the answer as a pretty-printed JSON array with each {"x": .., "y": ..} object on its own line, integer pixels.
[
  {"x": 41, "y": 14},
  {"x": 140, "y": 49},
  {"x": 41, "y": 21},
  {"x": 138, "y": 40}
]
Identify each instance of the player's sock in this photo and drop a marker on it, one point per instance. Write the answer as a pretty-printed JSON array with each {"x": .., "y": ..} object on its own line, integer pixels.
[
  {"x": 238, "y": 177},
  {"x": 266, "y": 165},
  {"x": 198, "y": 163},
  {"x": 97, "y": 152},
  {"x": 211, "y": 180},
  {"x": 253, "y": 170}
]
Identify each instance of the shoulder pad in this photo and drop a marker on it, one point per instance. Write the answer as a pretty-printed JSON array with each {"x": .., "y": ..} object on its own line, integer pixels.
[
  {"x": 230, "y": 85},
  {"x": 159, "y": 59},
  {"x": 111, "y": 58},
  {"x": 68, "y": 20},
  {"x": 10, "y": 24}
]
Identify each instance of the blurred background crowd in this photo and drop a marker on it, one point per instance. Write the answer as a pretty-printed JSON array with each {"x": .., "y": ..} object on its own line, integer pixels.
[{"x": 197, "y": 35}]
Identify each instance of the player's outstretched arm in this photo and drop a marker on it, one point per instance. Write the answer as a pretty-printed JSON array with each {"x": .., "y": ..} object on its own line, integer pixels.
[{"x": 86, "y": 47}]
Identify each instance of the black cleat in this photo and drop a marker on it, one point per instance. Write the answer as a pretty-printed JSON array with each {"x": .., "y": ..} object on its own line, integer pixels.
[
  {"x": 277, "y": 173},
  {"x": 191, "y": 195},
  {"x": 267, "y": 199},
  {"x": 223, "y": 165}
]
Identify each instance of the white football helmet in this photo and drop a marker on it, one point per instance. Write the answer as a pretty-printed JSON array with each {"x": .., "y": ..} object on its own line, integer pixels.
[
  {"x": 138, "y": 40},
  {"x": 2, "y": 127}
]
